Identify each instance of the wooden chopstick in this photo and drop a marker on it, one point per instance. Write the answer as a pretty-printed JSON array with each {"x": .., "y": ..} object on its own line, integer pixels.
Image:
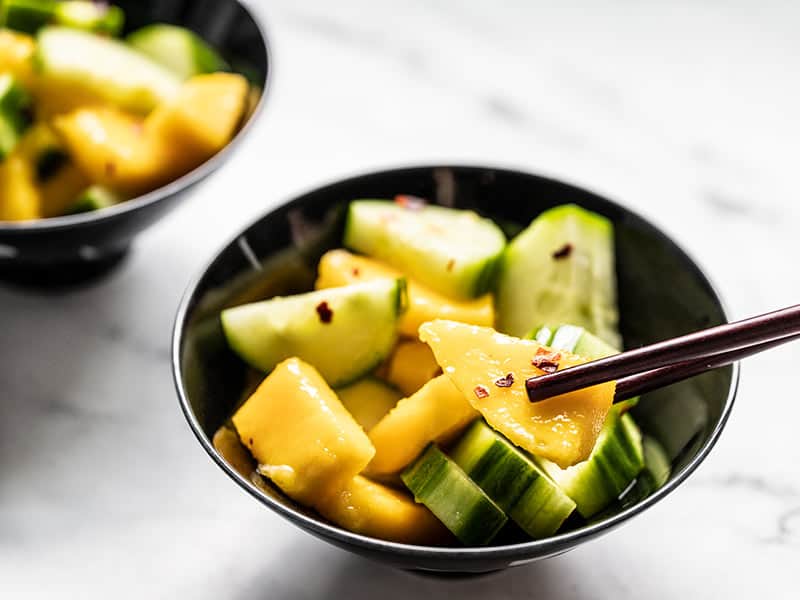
[
  {"x": 699, "y": 345},
  {"x": 641, "y": 383}
]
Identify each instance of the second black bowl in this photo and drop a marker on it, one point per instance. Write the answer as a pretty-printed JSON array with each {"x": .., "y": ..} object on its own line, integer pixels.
[
  {"x": 662, "y": 293},
  {"x": 68, "y": 249}
]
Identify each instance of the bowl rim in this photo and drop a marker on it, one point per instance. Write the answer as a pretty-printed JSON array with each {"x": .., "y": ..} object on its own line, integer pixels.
[
  {"x": 524, "y": 551},
  {"x": 174, "y": 186}
]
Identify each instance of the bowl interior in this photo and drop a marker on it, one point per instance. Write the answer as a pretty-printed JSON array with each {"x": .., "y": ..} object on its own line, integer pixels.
[{"x": 662, "y": 293}]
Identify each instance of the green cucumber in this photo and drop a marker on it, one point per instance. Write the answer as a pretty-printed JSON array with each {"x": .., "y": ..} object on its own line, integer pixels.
[
  {"x": 440, "y": 484},
  {"x": 514, "y": 482},
  {"x": 578, "y": 341},
  {"x": 454, "y": 252},
  {"x": 180, "y": 50},
  {"x": 104, "y": 68},
  {"x": 14, "y": 105},
  {"x": 344, "y": 332},
  {"x": 31, "y": 15},
  {"x": 94, "y": 198},
  {"x": 615, "y": 461},
  {"x": 560, "y": 270},
  {"x": 656, "y": 472}
]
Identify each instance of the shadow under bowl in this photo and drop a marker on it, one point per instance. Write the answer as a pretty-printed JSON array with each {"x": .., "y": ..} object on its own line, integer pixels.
[
  {"x": 70, "y": 249},
  {"x": 662, "y": 293}
]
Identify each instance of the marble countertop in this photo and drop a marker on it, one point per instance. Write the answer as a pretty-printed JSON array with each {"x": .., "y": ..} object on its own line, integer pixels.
[{"x": 686, "y": 111}]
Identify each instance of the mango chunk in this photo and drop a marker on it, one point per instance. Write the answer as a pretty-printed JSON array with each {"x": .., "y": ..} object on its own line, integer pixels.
[
  {"x": 436, "y": 413},
  {"x": 479, "y": 360},
  {"x": 123, "y": 152},
  {"x": 16, "y": 52},
  {"x": 111, "y": 148},
  {"x": 201, "y": 120},
  {"x": 19, "y": 197},
  {"x": 368, "y": 400},
  {"x": 301, "y": 435},
  {"x": 373, "y": 509},
  {"x": 411, "y": 366},
  {"x": 340, "y": 267}
]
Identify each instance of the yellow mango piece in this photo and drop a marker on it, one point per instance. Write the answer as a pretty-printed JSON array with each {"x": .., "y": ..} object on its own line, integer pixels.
[
  {"x": 562, "y": 429},
  {"x": 436, "y": 413},
  {"x": 368, "y": 400},
  {"x": 340, "y": 267},
  {"x": 370, "y": 508},
  {"x": 111, "y": 148},
  {"x": 126, "y": 153},
  {"x": 19, "y": 197},
  {"x": 301, "y": 435},
  {"x": 411, "y": 366},
  {"x": 201, "y": 120},
  {"x": 54, "y": 97},
  {"x": 16, "y": 52}
]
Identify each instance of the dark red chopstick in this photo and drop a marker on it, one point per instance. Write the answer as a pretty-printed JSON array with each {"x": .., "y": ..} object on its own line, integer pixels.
[
  {"x": 698, "y": 345},
  {"x": 641, "y": 383}
]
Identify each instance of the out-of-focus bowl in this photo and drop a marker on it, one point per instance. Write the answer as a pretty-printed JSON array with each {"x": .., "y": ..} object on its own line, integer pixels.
[
  {"x": 76, "y": 247},
  {"x": 662, "y": 293}
]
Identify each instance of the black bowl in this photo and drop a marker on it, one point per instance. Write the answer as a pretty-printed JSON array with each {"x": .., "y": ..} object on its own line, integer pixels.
[
  {"x": 662, "y": 294},
  {"x": 71, "y": 248}
]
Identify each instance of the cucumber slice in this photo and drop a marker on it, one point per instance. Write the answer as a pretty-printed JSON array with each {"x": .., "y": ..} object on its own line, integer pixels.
[
  {"x": 90, "y": 16},
  {"x": 14, "y": 103},
  {"x": 441, "y": 485},
  {"x": 454, "y": 252},
  {"x": 615, "y": 461},
  {"x": 519, "y": 487},
  {"x": 94, "y": 198},
  {"x": 369, "y": 400},
  {"x": 180, "y": 50},
  {"x": 103, "y": 68},
  {"x": 343, "y": 332},
  {"x": 31, "y": 15},
  {"x": 560, "y": 270}
]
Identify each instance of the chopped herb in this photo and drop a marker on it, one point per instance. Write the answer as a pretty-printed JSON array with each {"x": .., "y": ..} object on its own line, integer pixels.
[
  {"x": 506, "y": 381},
  {"x": 410, "y": 202},
  {"x": 563, "y": 252},
  {"x": 324, "y": 311},
  {"x": 481, "y": 392}
]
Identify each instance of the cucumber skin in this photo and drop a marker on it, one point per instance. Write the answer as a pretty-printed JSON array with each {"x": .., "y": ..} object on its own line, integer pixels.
[
  {"x": 233, "y": 343},
  {"x": 612, "y": 466},
  {"x": 514, "y": 482},
  {"x": 474, "y": 523},
  {"x": 476, "y": 281}
]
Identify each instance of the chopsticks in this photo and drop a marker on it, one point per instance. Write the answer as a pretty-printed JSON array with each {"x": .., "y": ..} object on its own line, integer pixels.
[{"x": 650, "y": 367}]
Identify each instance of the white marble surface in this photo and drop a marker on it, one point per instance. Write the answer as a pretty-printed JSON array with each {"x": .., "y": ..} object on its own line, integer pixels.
[{"x": 687, "y": 111}]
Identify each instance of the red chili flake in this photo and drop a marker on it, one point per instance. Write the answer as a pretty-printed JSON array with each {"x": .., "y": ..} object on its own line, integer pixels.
[
  {"x": 506, "y": 381},
  {"x": 324, "y": 311},
  {"x": 356, "y": 272},
  {"x": 410, "y": 202},
  {"x": 481, "y": 392},
  {"x": 450, "y": 264},
  {"x": 110, "y": 169},
  {"x": 563, "y": 252},
  {"x": 546, "y": 361},
  {"x": 251, "y": 441}
]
